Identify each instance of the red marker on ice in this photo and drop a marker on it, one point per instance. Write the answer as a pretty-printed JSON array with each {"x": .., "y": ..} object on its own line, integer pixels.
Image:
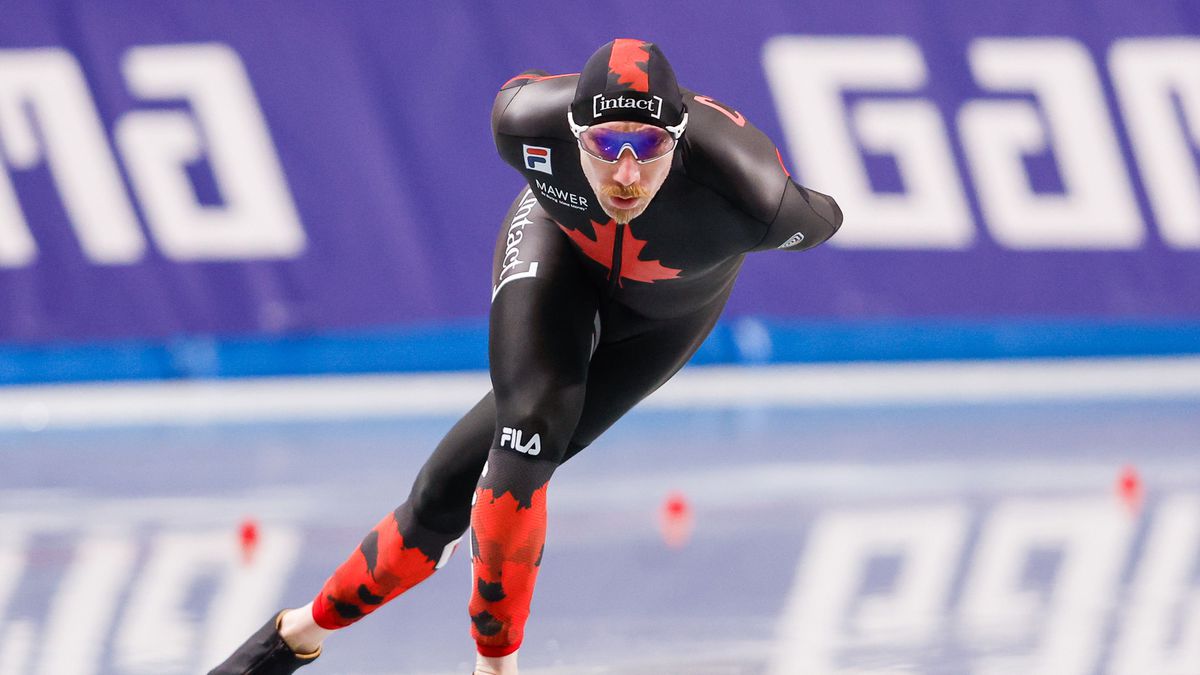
[
  {"x": 1129, "y": 488},
  {"x": 248, "y": 537},
  {"x": 676, "y": 520}
]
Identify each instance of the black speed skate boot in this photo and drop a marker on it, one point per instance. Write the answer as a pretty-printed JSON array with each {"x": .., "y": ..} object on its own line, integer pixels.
[{"x": 265, "y": 653}]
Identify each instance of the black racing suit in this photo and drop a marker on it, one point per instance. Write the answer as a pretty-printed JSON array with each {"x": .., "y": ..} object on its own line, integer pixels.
[{"x": 588, "y": 317}]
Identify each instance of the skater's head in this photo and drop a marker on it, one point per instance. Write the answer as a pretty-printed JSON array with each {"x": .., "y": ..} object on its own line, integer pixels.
[{"x": 628, "y": 116}]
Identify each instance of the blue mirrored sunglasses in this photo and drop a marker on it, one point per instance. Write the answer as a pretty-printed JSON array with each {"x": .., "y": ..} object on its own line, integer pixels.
[{"x": 647, "y": 144}]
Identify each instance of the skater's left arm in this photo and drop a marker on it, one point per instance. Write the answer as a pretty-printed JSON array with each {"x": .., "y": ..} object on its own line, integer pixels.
[
  {"x": 727, "y": 153},
  {"x": 806, "y": 218}
]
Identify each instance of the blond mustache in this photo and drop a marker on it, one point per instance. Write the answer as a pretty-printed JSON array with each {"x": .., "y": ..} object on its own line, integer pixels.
[{"x": 624, "y": 191}]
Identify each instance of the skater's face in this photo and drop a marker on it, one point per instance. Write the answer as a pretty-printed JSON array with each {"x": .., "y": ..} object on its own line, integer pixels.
[{"x": 625, "y": 188}]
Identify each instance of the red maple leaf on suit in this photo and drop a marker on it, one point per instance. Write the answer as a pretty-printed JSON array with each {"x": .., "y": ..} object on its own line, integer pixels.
[
  {"x": 627, "y": 61},
  {"x": 633, "y": 267}
]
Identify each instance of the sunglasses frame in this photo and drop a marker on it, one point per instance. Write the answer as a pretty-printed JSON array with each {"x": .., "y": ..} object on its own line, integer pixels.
[{"x": 578, "y": 129}]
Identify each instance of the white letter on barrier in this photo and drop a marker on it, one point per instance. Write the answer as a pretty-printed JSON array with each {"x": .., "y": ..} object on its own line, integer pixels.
[
  {"x": 1148, "y": 73},
  {"x": 1160, "y": 631},
  {"x": 258, "y": 218},
  {"x": 809, "y": 77},
  {"x": 1089, "y": 538},
  {"x": 158, "y": 636},
  {"x": 1097, "y": 209},
  {"x": 83, "y": 609},
  {"x": 48, "y": 86},
  {"x": 927, "y": 543}
]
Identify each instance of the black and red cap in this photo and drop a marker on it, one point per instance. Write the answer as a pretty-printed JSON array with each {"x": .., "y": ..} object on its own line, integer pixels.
[{"x": 629, "y": 81}]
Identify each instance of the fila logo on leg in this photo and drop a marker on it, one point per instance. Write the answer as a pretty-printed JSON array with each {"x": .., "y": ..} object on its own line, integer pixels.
[
  {"x": 537, "y": 158},
  {"x": 515, "y": 439}
]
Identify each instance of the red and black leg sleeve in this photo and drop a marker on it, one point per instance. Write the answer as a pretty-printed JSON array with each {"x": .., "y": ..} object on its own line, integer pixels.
[
  {"x": 396, "y": 555},
  {"x": 508, "y": 534}
]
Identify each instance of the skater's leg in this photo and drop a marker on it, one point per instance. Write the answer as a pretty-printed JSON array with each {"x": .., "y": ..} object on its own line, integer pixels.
[
  {"x": 542, "y": 331},
  {"x": 407, "y": 545}
]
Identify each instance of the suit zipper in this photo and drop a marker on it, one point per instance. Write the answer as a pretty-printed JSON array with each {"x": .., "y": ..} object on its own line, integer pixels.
[{"x": 614, "y": 279}]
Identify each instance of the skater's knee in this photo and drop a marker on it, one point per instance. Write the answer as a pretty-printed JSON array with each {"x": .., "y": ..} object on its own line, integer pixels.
[
  {"x": 539, "y": 420},
  {"x": 442, "y": 505}
]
